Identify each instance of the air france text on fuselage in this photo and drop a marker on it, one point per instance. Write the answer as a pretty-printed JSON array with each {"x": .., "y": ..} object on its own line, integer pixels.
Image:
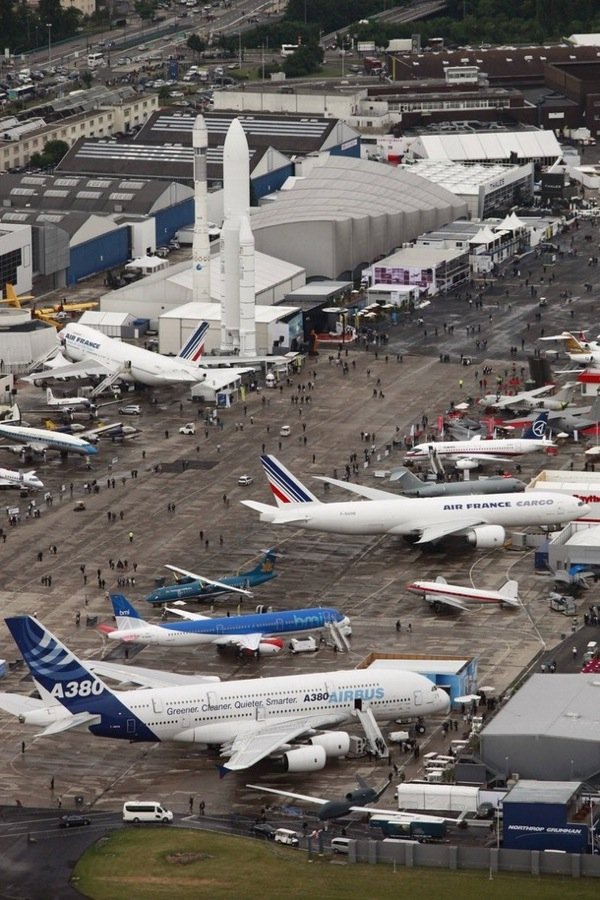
[
  {"x": 499, "y": 504},
  {"x": 85, "y": 342}
]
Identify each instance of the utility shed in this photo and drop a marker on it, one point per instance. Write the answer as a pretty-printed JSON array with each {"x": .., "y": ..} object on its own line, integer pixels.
[
  {"x": 549, "y": 730},
  {"x": 113, "y": 324},
  {"x": 547, "y": 815}
]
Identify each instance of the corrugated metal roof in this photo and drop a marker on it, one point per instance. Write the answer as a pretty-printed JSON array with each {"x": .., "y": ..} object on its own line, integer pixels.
[{"x": 528, "y": 791}]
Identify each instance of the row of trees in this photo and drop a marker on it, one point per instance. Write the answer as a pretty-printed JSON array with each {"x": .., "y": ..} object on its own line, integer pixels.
[{"x": 25, "y": 28}]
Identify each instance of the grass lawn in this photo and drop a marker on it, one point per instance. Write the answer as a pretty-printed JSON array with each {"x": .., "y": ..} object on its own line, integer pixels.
[{"x": 148, "y": 863}]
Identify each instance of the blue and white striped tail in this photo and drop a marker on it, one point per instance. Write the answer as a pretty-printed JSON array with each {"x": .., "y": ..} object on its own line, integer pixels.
[
  {"x": 285, "y": 488},
  {"x": 194, "y": 348}
]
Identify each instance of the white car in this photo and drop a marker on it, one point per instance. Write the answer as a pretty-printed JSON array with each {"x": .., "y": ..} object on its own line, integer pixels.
[
  {"x": 245, "y": 479},
  {"x": 188, "y": 428},
  {"x": 132, "y": 409}
]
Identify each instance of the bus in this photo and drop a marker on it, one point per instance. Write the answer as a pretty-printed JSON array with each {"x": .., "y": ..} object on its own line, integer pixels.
[
  {"x": 288, "y": 49},
  {"x": 95, "y": 59},
  {"x": 22, "y": 92}
]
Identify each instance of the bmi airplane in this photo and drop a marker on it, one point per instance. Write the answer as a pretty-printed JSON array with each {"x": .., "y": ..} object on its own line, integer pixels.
[
  {"x": 254, "y": 632},
  {"x": 477, "y": 450},
  {"x": 250, "y": 719},
  {"x": 197, "y": 587},
  {"x": 481, "y": 519},
  {"x": 13, "y": 478}
]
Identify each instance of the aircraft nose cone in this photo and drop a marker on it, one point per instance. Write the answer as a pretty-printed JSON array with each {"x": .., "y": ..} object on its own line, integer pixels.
[{"x": 91, "y": 450}]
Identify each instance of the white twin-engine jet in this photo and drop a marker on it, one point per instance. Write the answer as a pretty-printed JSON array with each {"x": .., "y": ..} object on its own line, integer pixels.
[
  {"x": 475, "y": 451},
  {"x": 439, "y": 593},
  {"x": 480, "y": 518},
  {"x": 249, "y": 719},
  {"x": 13, "y": 478}
]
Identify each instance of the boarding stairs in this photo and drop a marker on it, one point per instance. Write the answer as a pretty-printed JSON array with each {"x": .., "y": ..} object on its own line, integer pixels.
[
  {"x": 110, "y": 380},
  {"x": 375, "y": 739},
  {"x": 338, "y": 638},
  {"x": 437, "y": 467}
]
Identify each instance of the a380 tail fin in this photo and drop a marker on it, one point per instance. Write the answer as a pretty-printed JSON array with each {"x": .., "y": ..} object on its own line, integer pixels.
[
  {"x": 285, "y": 487},
  {"x": 59, "y": 672},
  {"x": 537, "y": 429},
  {"x": 193, "y": 349}
]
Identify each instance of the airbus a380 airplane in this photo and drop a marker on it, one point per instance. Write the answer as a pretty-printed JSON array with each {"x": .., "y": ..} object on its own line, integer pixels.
[
  {"x": 480, "y": 518},
  {"x": 249, "y": 719}
]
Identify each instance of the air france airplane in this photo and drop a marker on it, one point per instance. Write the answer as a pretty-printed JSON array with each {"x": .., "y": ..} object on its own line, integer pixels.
[
  {"x": 253, "y": 632},
  {"x": 249, "y": 719},
  {"x": 479, "y": 518}
]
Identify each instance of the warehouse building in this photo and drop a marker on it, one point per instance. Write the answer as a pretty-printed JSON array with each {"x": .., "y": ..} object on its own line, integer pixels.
[
  {"x": 16, "y": 266},
  {"x": 343, "y": 213},
  {"x": 549, "y": 730},
  {"x": 433, "y": 270},
  {"x": 549, "y": 815},
  {"x": 496, "y": 146}
]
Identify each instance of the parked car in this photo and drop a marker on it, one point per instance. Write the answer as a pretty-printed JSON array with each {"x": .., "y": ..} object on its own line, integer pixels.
[
  {"x": 264, "y": 830},
  {"x": 132, "y": 409},
  {"x": 73, "y": 820},
  {"x": 188, "y": 428},
  {"x": 245, "y": 479}
]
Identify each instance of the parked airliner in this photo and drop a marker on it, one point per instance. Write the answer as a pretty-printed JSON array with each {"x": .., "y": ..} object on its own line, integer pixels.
[
  {"x": 38, "y": 440},
  {"x": 198, "y": 587},
  {"x": 255, "y": 632},
  {"x": 477, "y": 450},
  {"x": 480, "y": 518},
  {"x": 249, "y": 719},
  {"x": 439, "y": 593},
  {"x": 68, "y": 404}
]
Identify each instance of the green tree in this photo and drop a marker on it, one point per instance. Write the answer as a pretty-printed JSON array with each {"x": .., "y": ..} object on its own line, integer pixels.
[
  {"x": 306, "y": 60},
  {"x": 51, "y": 155},
  {"x": 146, "y": 9},
  {"x": 196, "y": 44},
  {"x": 86, "y": 78}
]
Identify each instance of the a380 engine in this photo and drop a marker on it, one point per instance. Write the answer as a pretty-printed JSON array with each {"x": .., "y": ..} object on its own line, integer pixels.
[
  {"x": 486, "y": 537},
  {"x": 334, "y": 743},
  {"x": 305, "y": 759}
]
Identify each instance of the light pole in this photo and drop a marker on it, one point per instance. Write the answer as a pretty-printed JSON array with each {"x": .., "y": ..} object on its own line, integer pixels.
[
  {"x": 49, "y": 27},
  {"x": 239, "y": 49}
]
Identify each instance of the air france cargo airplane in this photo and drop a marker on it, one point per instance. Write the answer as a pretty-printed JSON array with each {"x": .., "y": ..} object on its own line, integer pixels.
[
  {"x": 249, "y": 719},
  {"x": 477, "y": 450},
  {"x": 480, "y": 518},
  {"x": 254, "y": 632}
]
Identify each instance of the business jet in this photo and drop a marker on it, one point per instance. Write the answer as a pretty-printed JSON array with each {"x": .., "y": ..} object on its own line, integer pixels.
[
  {"x": 439, "y": 593},
  {"x": 68, "y": 404},
  {"x": 39, "y": 440},
  {"x": 534, "y": 399},
  {"x": 253, "y": 633},
  {"x": 354, "y": 801},
  {"x": 13, "y": 478},
  {"x": 469, "y": 454},
  {"x": 478, "y": 518},
  {"x": 250, "y": 719},
  {"x": 198, "y": 587},
  {"x": 578, "y": 348}
]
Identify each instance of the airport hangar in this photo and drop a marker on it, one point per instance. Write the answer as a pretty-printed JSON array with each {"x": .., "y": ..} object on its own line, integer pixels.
[
  {"x": 549, "y": 730},
  {"x": 164, "y": 143},
  {"x": 340, "y": 214},
  {"x": 80, "y": 226}
]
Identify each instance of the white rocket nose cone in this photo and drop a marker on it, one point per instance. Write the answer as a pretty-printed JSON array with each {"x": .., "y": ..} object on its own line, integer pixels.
[{"x": 199, "y": 133}]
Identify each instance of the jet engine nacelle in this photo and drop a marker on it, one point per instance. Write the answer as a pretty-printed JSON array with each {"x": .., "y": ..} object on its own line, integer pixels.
[
  {"x": 334, "y": 743},
  {"x": 486, "y": 537},
  {"x": 305, "y": 759},
  {"x": 44, "y": 716},
  {"x": 270, "y": 646},
  {"x": 466, "y": 464}
]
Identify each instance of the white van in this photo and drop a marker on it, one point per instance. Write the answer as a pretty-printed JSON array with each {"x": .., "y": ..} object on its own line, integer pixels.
[
  {"x": 286, "y": 836},
  {"x": 285, "y": 431},
  {"x": 340, "y": 845},
  {"x": 146, "y": 811}
]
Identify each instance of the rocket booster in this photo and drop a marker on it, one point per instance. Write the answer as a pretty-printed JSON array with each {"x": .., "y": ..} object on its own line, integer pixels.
[{"x": 201, "y": 242}]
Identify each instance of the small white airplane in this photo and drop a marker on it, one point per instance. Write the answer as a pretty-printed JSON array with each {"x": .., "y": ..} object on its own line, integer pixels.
[
  {"x": 530, "y": 399},
  {"x": 469, "y": 454},
  {"x": 250, "y": 719},
  {"x": 577, "y": 346},
  {"x": 13, "y": 478},
  {"x": 439, "y": 593},
  {"x": 38, "y": 440},
  {"x": 480, "y": 519},
  {"x": 68, "y": 403}
]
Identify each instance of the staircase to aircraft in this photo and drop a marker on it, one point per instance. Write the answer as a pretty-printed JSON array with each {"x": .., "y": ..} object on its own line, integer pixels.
[
  {"x": 338, "y": 637},
  {"x": 375, "y": 739},
  {"x": 437, "y": 466}
]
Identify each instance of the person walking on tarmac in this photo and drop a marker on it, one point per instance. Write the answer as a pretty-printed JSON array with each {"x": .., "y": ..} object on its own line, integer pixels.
[{"x": 130, "y": 537}]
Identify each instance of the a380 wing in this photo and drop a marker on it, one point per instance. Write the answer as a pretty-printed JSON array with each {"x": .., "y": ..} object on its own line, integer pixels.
[{"x": 262, "y": 738}]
